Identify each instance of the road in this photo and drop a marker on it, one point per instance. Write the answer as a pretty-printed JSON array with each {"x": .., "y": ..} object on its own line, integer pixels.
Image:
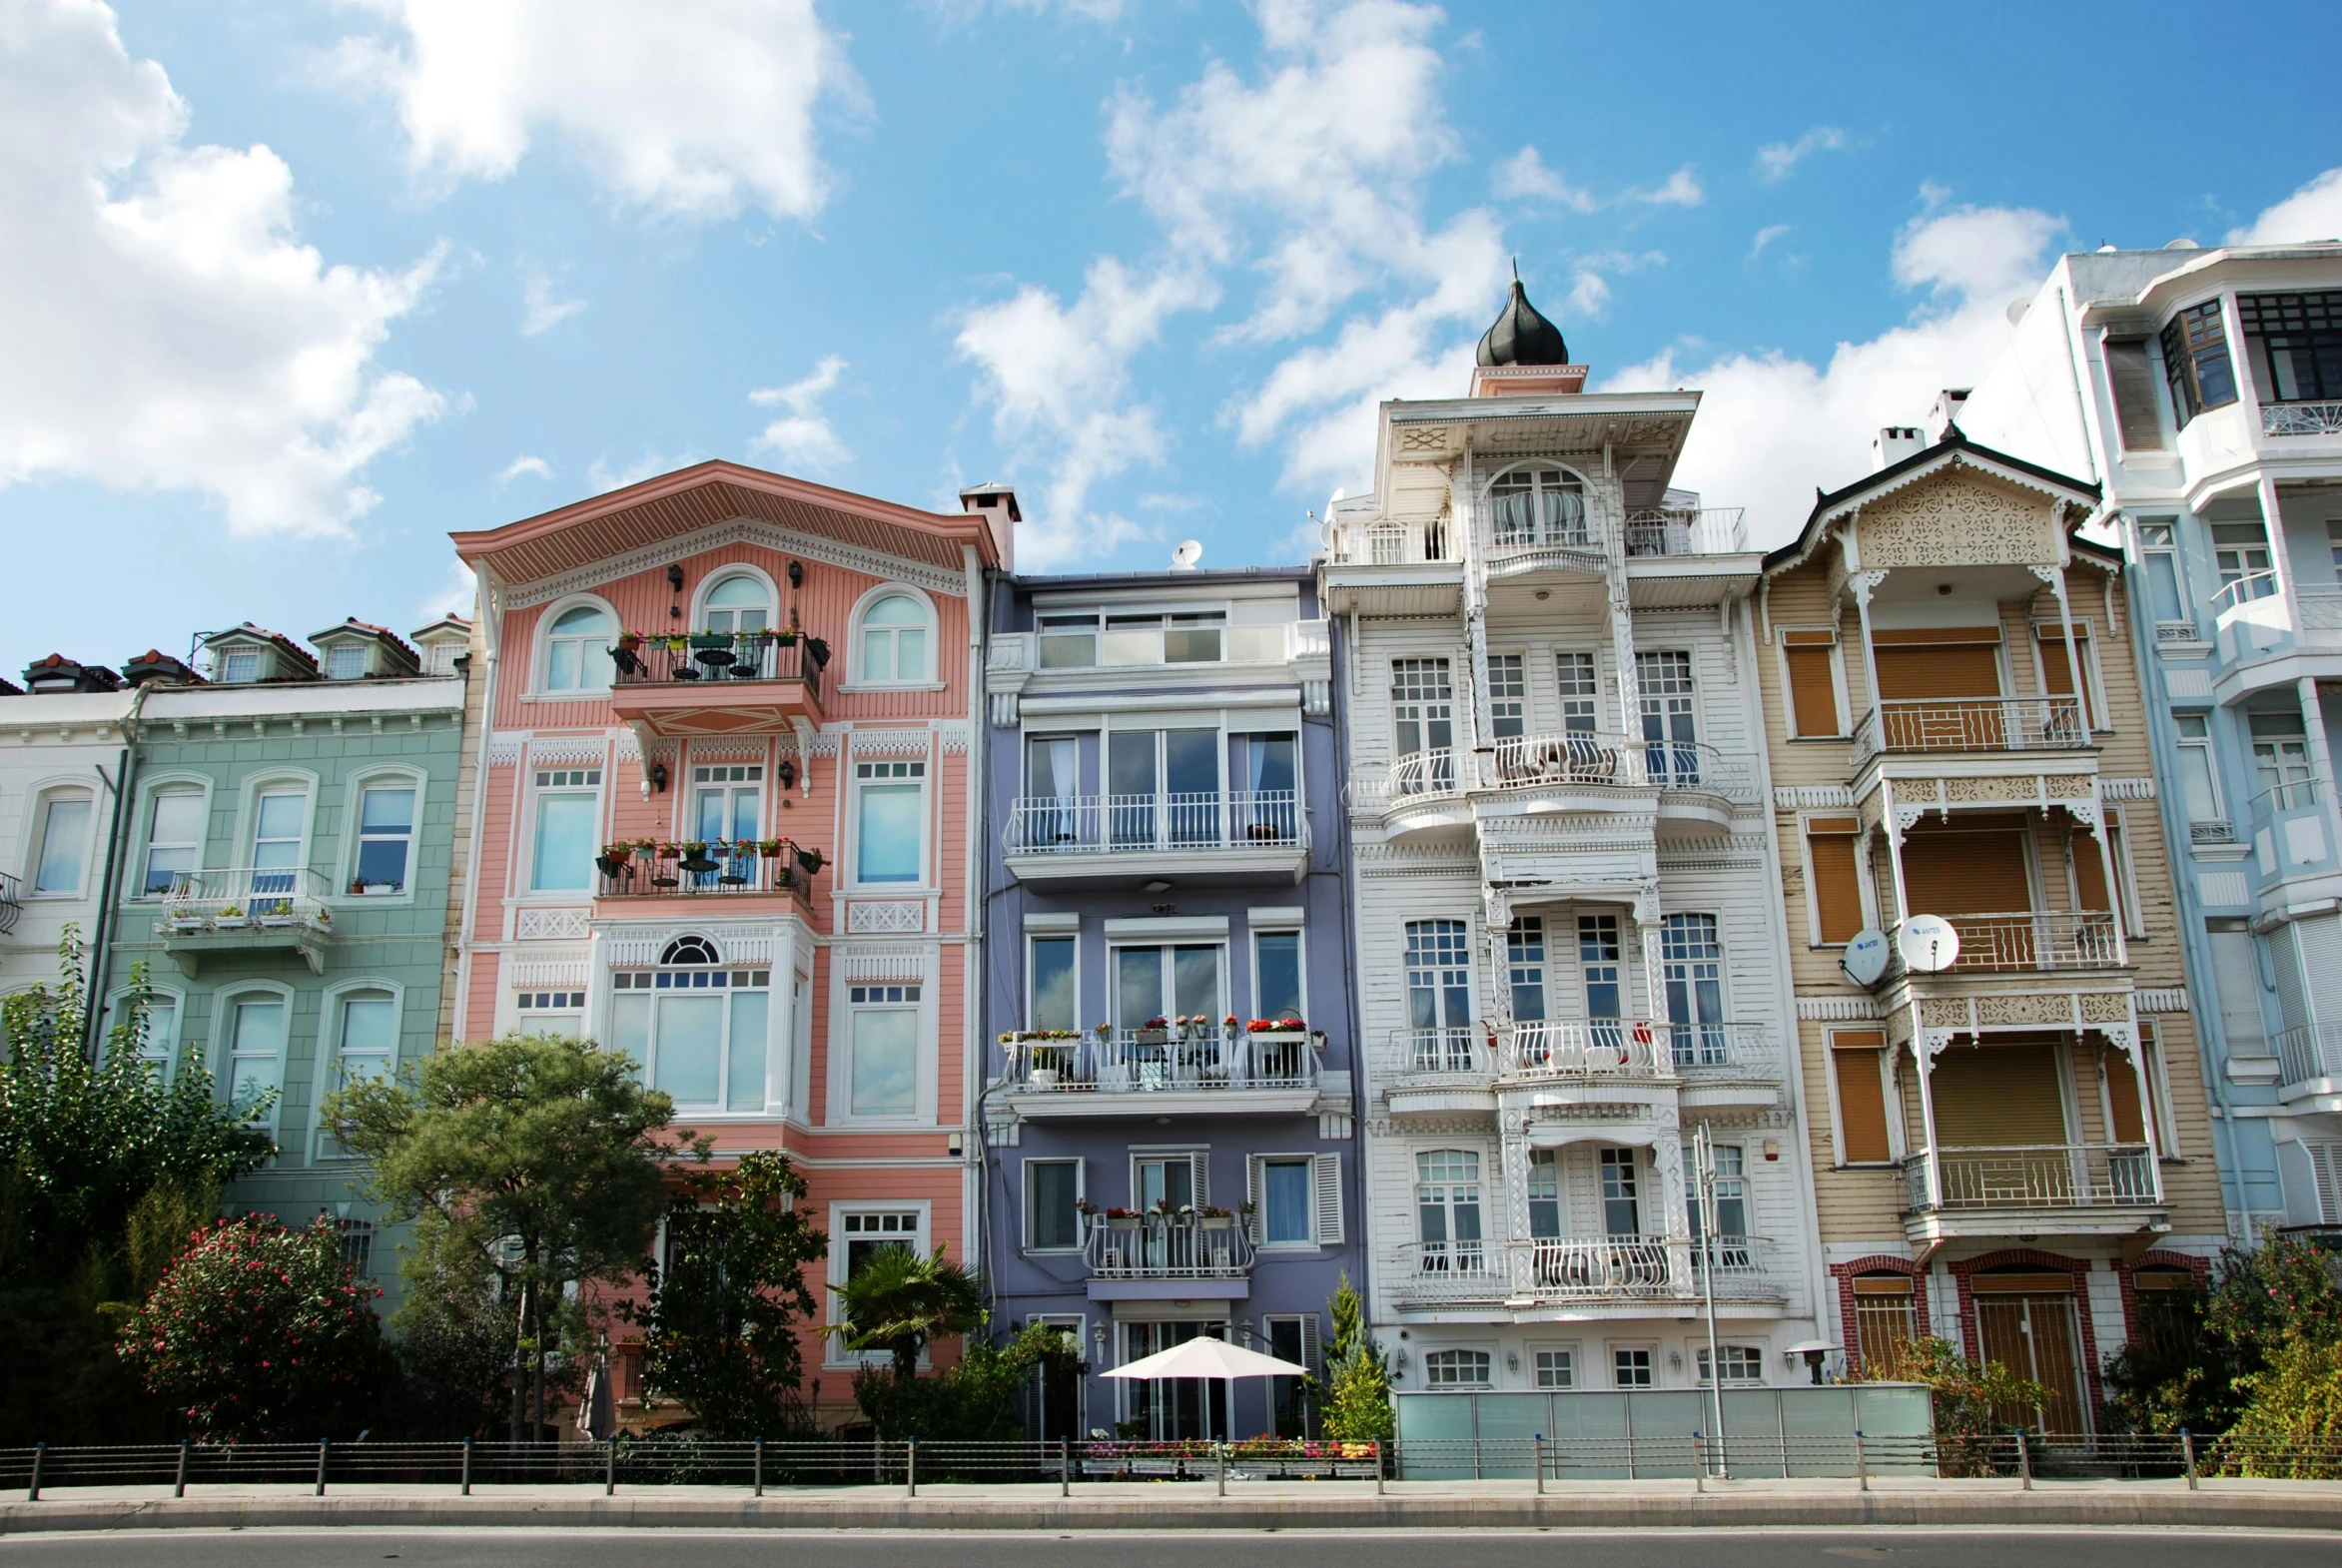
[{"x": 557, "y": 1548}]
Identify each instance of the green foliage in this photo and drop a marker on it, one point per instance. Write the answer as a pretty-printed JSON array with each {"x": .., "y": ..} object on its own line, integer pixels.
[
  {"x": 1974, "y": 1404},
  {"x": 2176, "y": 1375},
  {"x": 974, "y": 1402},
  {"x": 260, "y": 1332},
  {"x": 454, "y": 1350},
  {"x": 719, "y": 1331},
  {"x": 901, "y": 1302},
  {"x": 161, "y": 1228},
  {"x": 1357, "y": 1407},
  {"x": 2293, "y": 1418}
]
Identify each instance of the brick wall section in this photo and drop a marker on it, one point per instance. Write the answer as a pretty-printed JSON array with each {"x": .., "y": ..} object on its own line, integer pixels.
[{"x": 2125, "y": 1276}]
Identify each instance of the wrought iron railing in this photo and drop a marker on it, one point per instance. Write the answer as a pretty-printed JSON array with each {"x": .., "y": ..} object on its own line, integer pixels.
[
  {"x": 1969, "y": 724},
  {"x": 245, "y": 898},
  {"x": 1196, "y": 1059},
  {"x": 1458, "y": 1052},
  {"x": 2032, "y": 1176},
  {"x": 1136, "y": 824},
  {"x": 2029, "y": 940},
  {"x": 1424, "y": 775},
  {"x": 718, "y": 657},
  {"x": 1167, "y": 1246},
  {"x": 2301, "y": 418},
  {"x": 11, "y": 902},
  {"x": 770, "y": 865}
]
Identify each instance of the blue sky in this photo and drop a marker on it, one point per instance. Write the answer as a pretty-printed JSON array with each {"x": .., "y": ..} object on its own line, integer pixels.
[{"x": 295, "y": 288}]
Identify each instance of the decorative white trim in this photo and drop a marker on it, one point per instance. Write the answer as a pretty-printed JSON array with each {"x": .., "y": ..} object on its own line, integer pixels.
[
  {"x": 1837, "y": 1010},
  {"x": 865, "y": 964},
  {"x": 552, "y": 751},
  {"x": 739, "y": 531},
  {"x": 1812, "y": 797},
  {"x": 905, "y": 916},
  {"x": 634, "y": 946},
  {"x": 2161, "y": 999},
  {"x": 549, "y": 925},
  {"x": 953, "y": 739},
  {"x": 2127, "y": 789},
  {"x": 505, "y": 751},
  {"x": 822, "y": 743},
  {"x": 891, "y": 742},
  {"x": 549, "y": 974},
  {"x": 750, "y": 749}
]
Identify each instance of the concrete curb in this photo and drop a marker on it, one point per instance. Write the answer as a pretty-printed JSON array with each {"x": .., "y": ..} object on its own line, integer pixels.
[{"x": 2102, "y": 1509}]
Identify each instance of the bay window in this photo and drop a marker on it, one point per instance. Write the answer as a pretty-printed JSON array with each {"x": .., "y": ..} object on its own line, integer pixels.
[
  {"x": 698, "y": 1027},
  {"x": 2195, "y": 360}
]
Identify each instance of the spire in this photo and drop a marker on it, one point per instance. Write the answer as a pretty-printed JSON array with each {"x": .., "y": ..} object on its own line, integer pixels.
[{"x": 1519, "y": 335}]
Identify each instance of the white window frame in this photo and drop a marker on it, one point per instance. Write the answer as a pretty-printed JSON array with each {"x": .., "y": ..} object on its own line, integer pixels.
[
  {"x": 195, "y": 784},
  {"x": 841, "y": 1046},
  {"x": 590, "y": 682},
  {"x": 1702, "y": 1377},
  {"x": 732, "y": 778},
  {"x": 352, "y": 837},
  {"x": 1032, "y": 977},
  {"x": 1325, "y": 1208},
  {"x": 1576, "y": 1365},
  {"x": 1518, "y": 664},
  {"x": 775, "y": 613},
  {"x": 1300, "y": 932},
  {"x": 45, "y": 795},
  {"x": 1865, "y": 889},
  {"x": 222, "y": 1046},
  {"x": 532, "y": 780},
  {"x": 278, "y": 781},
  {"x": 1613, "y": 1349},
  {"x": 835, "y": 1356},
  {"x": 1081, "y": 1196},
  {"x": 2170, "y": 547},
  {"x": 1443, "y": 1356},
  {"x": 2207, "y": 744},
  {"x": 924, "y": 776},
  {"x": 164, "y": 1053},
  {"x": 739, "y": 977},
  {"x": 1478, "y": 1182},
  {"x": 333, "y": 1021},
  {"x": 929, "y": 678},
  {"x": 1170, "y": 973},
  {"x": 339, "y": 649},
  {"x": 1844, "y": 719},
  {"x": 1572, "y": 483},
  {"x": 531, "y": 1003}
]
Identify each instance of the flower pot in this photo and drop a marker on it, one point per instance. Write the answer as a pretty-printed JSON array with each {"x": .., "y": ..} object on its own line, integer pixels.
[
  {"x": 1219, "y": 1222},
  {"x": 1154, "y": 1037},
  {"x": 231, "y": 923},
  {"x": 1121, "y": 1222},
  {"x": 1044, "y": 1078}
]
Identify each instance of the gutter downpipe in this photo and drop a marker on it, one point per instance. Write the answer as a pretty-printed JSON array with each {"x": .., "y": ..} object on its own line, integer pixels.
[
  {"x": 125, "y": 779},
  {"x": 975, "y": 895},
  {"x": 488, "y": 619}
]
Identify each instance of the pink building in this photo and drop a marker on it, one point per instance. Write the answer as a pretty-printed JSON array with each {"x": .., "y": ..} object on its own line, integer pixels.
[{"x": 725, "y": 809}]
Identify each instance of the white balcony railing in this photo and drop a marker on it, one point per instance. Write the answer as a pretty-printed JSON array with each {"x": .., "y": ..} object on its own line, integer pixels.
[
  {"x": 2301, "y": 418},
  {"x": 1634, "y": 1047},
  {"x": 1424, "y": 775},
  {"x": 2030, "y": 942},
  {"x": 2035, "y": 1175},
  {"x": 2312, "y": 1051},
  {"x": 1461, "y": 1052},
  {"x": 1568, "y": 758},
  {"x": 1148, "y": 824},
  {"x": 1167, "y": 1246},
  {"x": 1583, "y": 1268},
  {"x": 245, "y": 898},
  {"x": 1386, "y": 542},
  {"x": 1710, "y": 531},
  {"x": 1969, "y": 724},
  {"x": 1196, "y": 1059},
  {"x": 2244, "y": 590}
]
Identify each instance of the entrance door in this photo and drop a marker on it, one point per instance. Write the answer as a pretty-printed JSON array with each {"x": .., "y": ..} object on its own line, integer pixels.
[
  {"x": 2031, "y": 1330},
  {"x": 1171, "y": 1408}
]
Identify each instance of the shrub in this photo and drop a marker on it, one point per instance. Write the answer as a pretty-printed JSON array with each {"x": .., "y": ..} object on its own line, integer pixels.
[{"x": 1358, "y": 1406}]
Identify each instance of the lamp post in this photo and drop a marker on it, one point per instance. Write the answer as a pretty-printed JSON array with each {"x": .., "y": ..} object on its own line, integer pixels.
[{"x": 1704, "y": 1174}]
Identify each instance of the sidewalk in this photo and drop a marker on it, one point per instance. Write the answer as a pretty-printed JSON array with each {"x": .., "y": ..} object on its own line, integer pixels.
[{"x": 1418, "y": 1505}]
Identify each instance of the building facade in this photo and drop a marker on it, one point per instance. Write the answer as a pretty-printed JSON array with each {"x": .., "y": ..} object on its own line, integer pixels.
[
  {"x": 1168, "y": 1107},
  {"x": 2203, "y": 389},
  {"x": 727, "y": 819},
  {"x": 67, "y": 732},
  {"x": 2009, "y": 1122},
  {"x": 1568, "y": 954}
]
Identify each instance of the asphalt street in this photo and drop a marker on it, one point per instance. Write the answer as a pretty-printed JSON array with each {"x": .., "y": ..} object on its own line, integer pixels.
[{"x": 560, "y": 1548}]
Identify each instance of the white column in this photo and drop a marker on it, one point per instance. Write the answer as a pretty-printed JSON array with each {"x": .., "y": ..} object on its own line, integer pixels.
[
  {"x": 1893, "y": 832},
  {"x": 1667, "y": 1169},
  {"x": 2105, "y": 837},
  {"x": 2082, "y": 699},
  {"x": 1923, "y": 1063}
]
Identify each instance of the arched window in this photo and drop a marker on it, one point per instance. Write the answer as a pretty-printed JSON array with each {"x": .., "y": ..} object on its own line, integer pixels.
[
  {"x": 894, "y": 640},
  {"x": 690, "y": 950},
  {"x": 739, "y": 603},
  {"x": 1539, "y": 505},
  {"x": 175, "y": 837},
  {"x": 577, "y": 648}
]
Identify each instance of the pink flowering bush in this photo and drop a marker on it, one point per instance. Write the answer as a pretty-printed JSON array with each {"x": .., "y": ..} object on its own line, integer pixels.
[{"x": 259, "y": 1332}]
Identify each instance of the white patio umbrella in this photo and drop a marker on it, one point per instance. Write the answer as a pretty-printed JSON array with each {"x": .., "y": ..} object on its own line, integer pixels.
[{"x": 1206, "y": 1358}]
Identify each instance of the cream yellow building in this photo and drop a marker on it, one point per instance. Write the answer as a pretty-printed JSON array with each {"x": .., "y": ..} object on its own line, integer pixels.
[{"x": 2010, "y": 1142}]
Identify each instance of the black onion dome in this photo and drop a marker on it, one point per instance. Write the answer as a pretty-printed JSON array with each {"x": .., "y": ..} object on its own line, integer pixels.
[{"x": 1520, "y": 336}]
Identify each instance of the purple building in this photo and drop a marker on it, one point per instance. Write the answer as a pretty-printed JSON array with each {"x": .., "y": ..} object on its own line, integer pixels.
[{"x": 1166, "y": 1113}]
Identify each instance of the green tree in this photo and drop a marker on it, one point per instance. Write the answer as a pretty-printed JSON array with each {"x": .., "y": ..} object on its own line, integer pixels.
[
  {"x": 543, "y": 1159},
  {"x": 720, "y": 1328},
  {"x": 1357, "y": 1407},
  {"x": 901, "y": 1301},
  {"x": 971, "y": 1401},
  {"x": 1975, "y": 1405},
  {"x": 260, "y": 1332},
  {"x": 456, "y": 1334}
]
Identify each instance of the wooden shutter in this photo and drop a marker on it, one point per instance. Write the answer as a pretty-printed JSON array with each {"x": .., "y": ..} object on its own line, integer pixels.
[
  {"x": 1326, "y": 1176},
  {"x": 2122, "y": 1099},
  {"x": 1997, "y": 1096},
  {"x": 1946, "y": 662},
  {"x": 1201, "y": 1164},
  {"x": 2130, "y": 376},
  {"x": 2089, "y": 869},
  {"x": 1812, "y": 682},
  {"x": 1312, "y": 1356},
  {"x": 1837, "y": 887},
  {"x": 2058, "y": 672},
  {"x": 2236, "y": 975},
  {"x": 1862, "y": 1097},
  {"x": 1966, "y": 872}
]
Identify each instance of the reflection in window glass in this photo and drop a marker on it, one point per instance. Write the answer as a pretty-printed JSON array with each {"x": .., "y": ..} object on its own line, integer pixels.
[
  {"x": 175, "y": 832},
  {"x": 65, "y": 834}
]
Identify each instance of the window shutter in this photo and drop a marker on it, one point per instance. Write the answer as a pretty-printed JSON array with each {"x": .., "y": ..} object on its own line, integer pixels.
[
  {"x": 1326, "y": 1169},
  {"x": 1253, "y": 1185},
  {"x": 2325, "y": 1163},
  {"x": 1312, "y": 1356},
  {"x": 2057, "y": 672},
  {"x": 1862, "y": 1097},
  {"x": 2130, "y": 376},
  {"x": 1957, "y": 872},
  {"x": 1201, "y": 1164},
  {"x": 1836, "y": 889},
  {"x": 1953, "y": 663},
  {"x": 2090, "y": 871},
  {"x": 2237, "y": 976},
  {"x": 1813, "y": 684},
  {"x": 1997, "y": 1097},
  {"x": 2122, "y": 1099}
]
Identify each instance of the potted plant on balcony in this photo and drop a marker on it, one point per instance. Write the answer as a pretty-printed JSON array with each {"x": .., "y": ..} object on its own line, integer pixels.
[
  {"x": 695, "y": 857},
  {"x": 613, "y": 861},
  {"x": 770, "y": 849},
  {"x": 274, "y": 915},
  {"x": 1121, "y": 1220},
  {"x": 1155, "y": 1032},
  {"x": 1213, "y": 1219},
  {"x": 230, "y": 918}
]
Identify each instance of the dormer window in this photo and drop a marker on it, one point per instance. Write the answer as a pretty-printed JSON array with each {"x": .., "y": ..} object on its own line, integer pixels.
[
  {"x": 240, "y": 666},
  {"x": 345, "y": 661},
  {"x": 439, "y": 658}
]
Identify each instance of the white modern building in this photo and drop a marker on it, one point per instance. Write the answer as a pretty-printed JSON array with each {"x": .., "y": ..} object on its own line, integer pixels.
[
  {"x": 65, "y": 734},
  {"x": 1566, "y": 895}
]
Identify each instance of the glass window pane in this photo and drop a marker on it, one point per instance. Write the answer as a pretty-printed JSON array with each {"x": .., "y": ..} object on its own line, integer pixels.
[
  {"x": 1130, "y": 762},
  {"x": 885, "y": 1061},
  {"x": 1285, "y": 1200},
  {"x": 561, "y": 666},
  {"x": 911, "y": 653},
  {"x": 1053, "y": 984},
  {"x": 896, "y": 609},
  {"x": 386, "y": 810},
  {"x": 277, "y": 829},
  {"x": 2196, "y": 773},
  {"x": 366, "y": 1024},
  {"x": 64, "y": 841},
  {"x": 1138, "y": 986},
  {"x": 878, "y": 655},
  {"x": 690, "y": 1037},
  {"x": 629, "y": 1027},
  {"x": 178, "y": 817},
  {"x": 891, "y": 842},
  {"x": 744, "y": 1069},
  {"x": 255, "y": 1050},
  {"x": 1195, "y": 980},
  {"x": 584, "y": 618},
  {"x": 1277, "y": 977},
  {"x": 1055, "y": 1221},
  {"x": 565, "y": 843},
  {"x": 1192, "y": 761}
]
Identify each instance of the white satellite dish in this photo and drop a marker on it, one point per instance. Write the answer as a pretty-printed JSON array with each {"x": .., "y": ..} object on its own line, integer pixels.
[
  {"x": 1187, "y": 555},
  {"x": 1865, "y": 958},
  {"x": 1928, "y": 944}
]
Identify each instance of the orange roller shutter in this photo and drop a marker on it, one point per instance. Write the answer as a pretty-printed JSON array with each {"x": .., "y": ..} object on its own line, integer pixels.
[
  {"x": 1958, "y": 873},
  {"x": 1838, "y": 890},
  {"x": 1997, "y": 1097},
  {"x": 2123, "y": 1100},
  {"x": 1812, "y": 683},
  {"x": 1862, "y": 1097},
  {"x": 2089, "y": 872},
  {"x": 2056, "y": 672}
]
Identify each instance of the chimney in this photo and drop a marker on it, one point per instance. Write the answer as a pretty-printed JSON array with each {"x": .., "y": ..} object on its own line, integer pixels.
[
  {"x": 1945, "y": 415},
  {"x": 997, "y": 504},
  {"x": 1896, "y": 442}
]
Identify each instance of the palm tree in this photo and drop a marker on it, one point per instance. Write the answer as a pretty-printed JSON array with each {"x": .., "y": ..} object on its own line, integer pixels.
[{"x": 901, "y": 1301}]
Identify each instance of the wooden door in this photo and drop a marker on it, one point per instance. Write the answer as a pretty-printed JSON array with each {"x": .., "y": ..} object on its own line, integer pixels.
[{"x": 2033, "y": 1333}]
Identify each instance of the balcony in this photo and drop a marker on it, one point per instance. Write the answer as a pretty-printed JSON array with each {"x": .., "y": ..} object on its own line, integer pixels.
[
  {"x": 245, "y": 911},
  {"x": 11, "y": 902},
  {"x": 1584, "y": 1272},
  {"x": 1555, "y": 540},
  {"x": 1938, "y": 725},
  {"x": 1707, "y": 530},
  {"x": 2301, "y": 418},
  {"x": 2309, "y": 1061},
  {"x": 1203, "y": 837},
  {"x": 1696, "y": 786},
  {"x": 2023, "y": 943},
  {"x": 719, "y": 684},
  {"x": 771, "y": 867},
  {"x": 2037, "y": 1189},
  {"x": 1161, "y": 1071},
  {"x": 2286, "y": 825},
  {"x": 1158, "y": 1256}
]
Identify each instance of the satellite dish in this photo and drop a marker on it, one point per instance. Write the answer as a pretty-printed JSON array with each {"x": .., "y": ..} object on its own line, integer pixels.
[
  {"x": 2018, "y": 309},
  {"x": 1928, "y": 944},
  {"x": 1865, "y": 958},
  {"x": 1187, "y": 555}
]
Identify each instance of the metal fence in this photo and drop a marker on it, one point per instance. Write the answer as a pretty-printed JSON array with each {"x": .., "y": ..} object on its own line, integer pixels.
[{"x": 2017, "y": 1459}]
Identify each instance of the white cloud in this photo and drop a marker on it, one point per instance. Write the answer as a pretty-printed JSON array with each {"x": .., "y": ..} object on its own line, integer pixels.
[
  {"x": 803, "y": 436},
  {"x": 2312, "y": 213},
  {"x": 456, "y": 594},
  {"x": 1778, "y": 160},
  {"x": 1589, "y": 293},
  {"x": 1765, "y": 236},
  {"x": 539, "y": 311},
  {"x": 690, "y": 111},
  {"x": 1771, "y": 427},
  {"x": 600, "y": 479},
  {"x": 1058, "y": 379},
  {"x": 1524, "y": 176},
  {"x": 167, "y": 330},
  {"x": 1084, "y": 10},
  {"x": 536, "y": 467},
  {"x": 1681, "y": 190}
]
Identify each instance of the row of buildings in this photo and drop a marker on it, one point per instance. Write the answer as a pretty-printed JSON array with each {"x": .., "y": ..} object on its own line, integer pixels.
[{"x": 1172, "y": 943}]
